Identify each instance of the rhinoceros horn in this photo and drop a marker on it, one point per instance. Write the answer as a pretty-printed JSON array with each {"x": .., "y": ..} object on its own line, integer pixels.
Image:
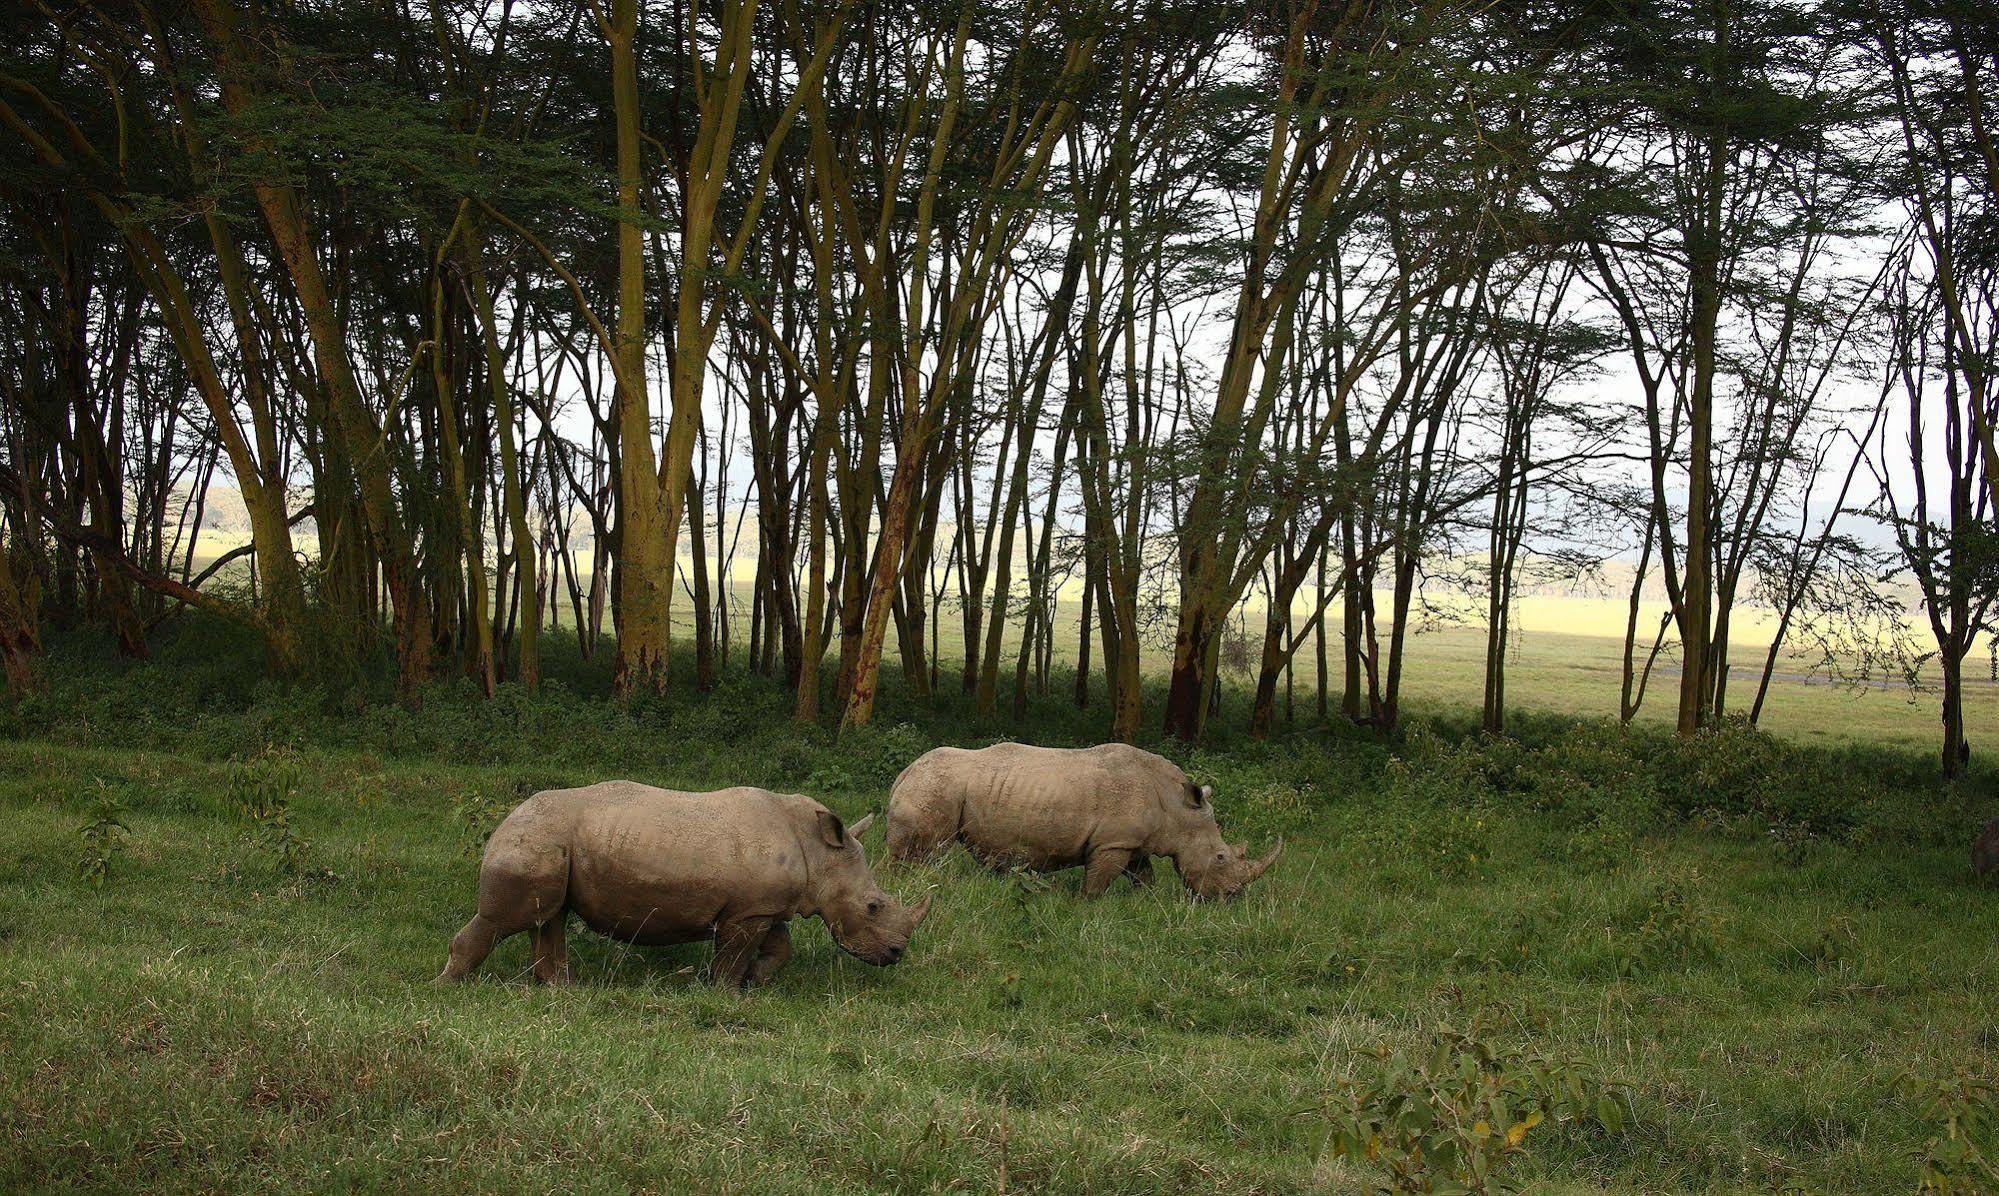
[
  {"x": 1263, "y": 865},
  {"x": 921, "y": 911},
  {"x": 860, "y": 828}
]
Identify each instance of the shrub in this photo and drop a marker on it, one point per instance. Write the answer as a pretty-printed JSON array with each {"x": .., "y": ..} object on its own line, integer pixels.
[
  {"x": 873, "y": 756},
  {"x": 1730, "y": 768},
  {"x": 1442, "y": 840},
  {"x": 1835, "y": 945},
  {"x": 261, "y": 790},
  {"x": 479, "y": 815},
  {"x": 1960, "y": 1157},
  {"x": 1678, "y": 928},
  {"x": 103, "y": 834},
  {"x": 1457, "y": 1117}
]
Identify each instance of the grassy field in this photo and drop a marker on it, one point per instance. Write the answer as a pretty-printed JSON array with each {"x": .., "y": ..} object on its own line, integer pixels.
[{"x": 1765, "y": 954}]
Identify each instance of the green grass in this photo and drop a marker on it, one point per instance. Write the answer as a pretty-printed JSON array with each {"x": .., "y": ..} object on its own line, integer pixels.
[{"x": 1753, "y": 939}]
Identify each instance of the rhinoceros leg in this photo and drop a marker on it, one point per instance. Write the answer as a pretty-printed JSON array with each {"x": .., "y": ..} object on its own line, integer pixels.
[
  {"x": 469, "y": 948},
  {"x": 518, "y": 889},
  {"x": 736, "y": 945},
  {"x": 1106, "y": 865},
  {"x": 551, "y": 949},
  {"x": 776, "y": 950},
  {"x": 1140, "y": 870}
]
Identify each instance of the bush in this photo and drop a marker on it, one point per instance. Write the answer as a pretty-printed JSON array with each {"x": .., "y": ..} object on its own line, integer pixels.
[
  {"x": 1677, "y": 928},
  {"x": 261, "y": 790},
  {"x": 1457, "y": 1117},
  {"x": 103, "y": 834},
  {"x": 1450, "y": 841},
  {"x": 1960, "y": 1157}
]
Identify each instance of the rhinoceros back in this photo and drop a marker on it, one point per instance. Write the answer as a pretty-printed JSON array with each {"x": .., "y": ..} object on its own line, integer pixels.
[
  {"x": 1013, "y": 804},
  {"x": 660, "y": 865}
]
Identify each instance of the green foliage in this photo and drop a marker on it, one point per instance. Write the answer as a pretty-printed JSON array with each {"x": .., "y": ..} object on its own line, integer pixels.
[
  {"x": 261, "y": 792},
  {"x": 103, "y": 832},
  {"x": 875, "y": 755},
  {"x": 1960, "y": 1157},
  {"x": 1677, "y": 928},
  {"x": 1441, "y": 842},
  {"x": 479, "y": 814},
  {"x": 1835, "y": 945},
  {"x": 1456, "y": 1119}
]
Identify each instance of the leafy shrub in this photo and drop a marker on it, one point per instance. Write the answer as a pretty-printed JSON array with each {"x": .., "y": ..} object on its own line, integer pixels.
[
  {"x": 1678, "y": 928},
  {"x": 873, "y": 756},
  {"x": 1457, "y": 1117},
  {"x": 829, "y": 778},
  {"x": 479, "y": 815},
  {"x": 1603, "y": 844},
  {"x": 1836, "y": 943},
  {"x": 103, "y": 834},
  {"x": 1960, "y": 1157},
  {"x": 1438, "y": 840},
  {"x": 261, "y": 790}
]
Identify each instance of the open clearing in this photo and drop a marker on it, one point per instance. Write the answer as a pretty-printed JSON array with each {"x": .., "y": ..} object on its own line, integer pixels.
[{"x": 1755, "y": 977}]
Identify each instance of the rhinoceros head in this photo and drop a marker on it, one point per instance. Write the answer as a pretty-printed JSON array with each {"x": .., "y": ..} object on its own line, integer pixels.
[
  {"x": 1211, "y": 868},
  {"x": 868, "y": 924}
]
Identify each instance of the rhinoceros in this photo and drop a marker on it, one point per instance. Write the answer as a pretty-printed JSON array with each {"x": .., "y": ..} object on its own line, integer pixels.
[
  {"x": 1109, "y": 808},
  {"x": 657, "y": 866}
]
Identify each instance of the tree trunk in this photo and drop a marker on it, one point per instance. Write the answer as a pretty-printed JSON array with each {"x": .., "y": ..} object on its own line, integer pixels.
[
  {"x": 645, "y": 556},
  {"x": 20, "y": 627}
]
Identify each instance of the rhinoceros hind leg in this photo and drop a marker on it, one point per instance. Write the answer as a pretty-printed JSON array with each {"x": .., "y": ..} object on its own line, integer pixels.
[
  {"x": 776, "y": 950},
  {"x": 469, "y": 948},
  {"x": 736, "y": 945},
  {"x": 551, "y": 949},
  {"x": 1106, "y": 865}
]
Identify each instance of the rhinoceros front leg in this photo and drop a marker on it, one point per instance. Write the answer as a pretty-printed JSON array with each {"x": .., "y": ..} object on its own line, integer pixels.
[
  {"x": 551, "y": 949},
  {"x": 1140, "y": 870},
  {"x": 1106, "y": 865},
  {"x": 772, "y": 955},
  {"x": 737, "y": 943}
]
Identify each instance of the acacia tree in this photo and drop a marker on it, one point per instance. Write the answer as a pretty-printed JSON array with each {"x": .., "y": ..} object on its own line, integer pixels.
[
  {"x": 1145, "y": 304},
  {"x": 1941, "y": 313},
  {"x": 1731, "y": 102}
]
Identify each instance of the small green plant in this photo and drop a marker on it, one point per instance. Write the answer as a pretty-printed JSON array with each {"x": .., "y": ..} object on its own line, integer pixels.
[
  {"x": 1603, "y": 844},
  {"x": 1678, "y": 928},
  {"x": 1520, "y": 944},
  {"x": 1456, "y": 1118},
  {"x": 1961, "y": 1155},
  {"x": 261, "y": 790},
  {"x": 829, "y": 778},
  {"x": 480, "y": 815},
  {"x": 103, "y": 834},
  {"x": 1793, "y": 840},
  {"x": 1835, "y": 945},
  {"x": 1446, "y": 841}
]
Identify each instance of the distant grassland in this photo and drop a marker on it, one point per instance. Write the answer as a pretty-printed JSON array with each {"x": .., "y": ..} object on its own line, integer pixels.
[{"x": 1565, "y": 658}]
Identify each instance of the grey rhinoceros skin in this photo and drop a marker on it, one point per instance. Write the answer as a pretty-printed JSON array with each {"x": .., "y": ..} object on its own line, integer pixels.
[
  {"x": 1109, "y": 809},
  {"x": 658, "y": 866}
]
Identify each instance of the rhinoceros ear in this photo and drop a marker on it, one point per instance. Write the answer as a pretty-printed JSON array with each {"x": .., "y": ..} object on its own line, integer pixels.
[
  {"x": 1198, "y": 796},
  {"x": 832, "y": 830}
]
